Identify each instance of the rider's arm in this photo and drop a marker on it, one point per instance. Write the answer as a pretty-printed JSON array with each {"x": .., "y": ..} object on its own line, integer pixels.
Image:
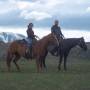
[
  {"x": 36, "y": 36},
  {"x": 61, "y": 32},
  {"x": 52, "y": 30}
]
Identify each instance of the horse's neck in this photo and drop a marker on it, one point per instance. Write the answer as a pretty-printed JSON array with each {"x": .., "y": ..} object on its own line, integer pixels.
[
  {"x": 70, "y": 43},
  {"x": 42, "y": 43},
  {"x": 74, "y": 43},
  {"x": 45, "y": 42}
]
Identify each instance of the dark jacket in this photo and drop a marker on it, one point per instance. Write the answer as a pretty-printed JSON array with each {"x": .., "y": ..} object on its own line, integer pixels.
[{"x": 57, "y": 31}]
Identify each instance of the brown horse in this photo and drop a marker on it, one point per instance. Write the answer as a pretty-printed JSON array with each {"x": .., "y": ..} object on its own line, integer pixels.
[{"x": 17, "y": 50}]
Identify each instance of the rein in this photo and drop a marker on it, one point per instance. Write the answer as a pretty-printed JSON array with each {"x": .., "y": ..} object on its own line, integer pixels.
[{"x": 37, "y": 37}]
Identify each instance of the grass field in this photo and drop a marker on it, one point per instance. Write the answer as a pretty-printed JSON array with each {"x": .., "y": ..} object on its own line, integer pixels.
[{"x": 77, "y": 77}]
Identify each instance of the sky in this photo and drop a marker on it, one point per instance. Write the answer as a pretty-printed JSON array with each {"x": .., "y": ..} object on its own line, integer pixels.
[{"x": 73, "y": 15}]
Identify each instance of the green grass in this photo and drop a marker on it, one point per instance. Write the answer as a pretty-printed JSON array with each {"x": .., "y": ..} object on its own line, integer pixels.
[{"x": 77, "y": 77}]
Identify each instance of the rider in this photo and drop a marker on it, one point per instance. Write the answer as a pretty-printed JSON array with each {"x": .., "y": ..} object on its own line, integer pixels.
[
  {"x": 56, "y": 30},
  {"x": 30, "y": 32},
  {"x": 31, "y": 36}
]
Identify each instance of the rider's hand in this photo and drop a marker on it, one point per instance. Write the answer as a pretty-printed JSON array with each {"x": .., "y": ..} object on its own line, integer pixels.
[{"x": 63, "y": 37}]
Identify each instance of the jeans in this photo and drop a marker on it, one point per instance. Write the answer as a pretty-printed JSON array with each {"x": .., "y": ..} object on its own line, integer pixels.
[{"x": 29, "y": 41}]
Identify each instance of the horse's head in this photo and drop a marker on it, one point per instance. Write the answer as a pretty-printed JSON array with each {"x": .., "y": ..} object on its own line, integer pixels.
[
  {"x": 82, "y": 43},
  {"x": 53, "y": 40}
]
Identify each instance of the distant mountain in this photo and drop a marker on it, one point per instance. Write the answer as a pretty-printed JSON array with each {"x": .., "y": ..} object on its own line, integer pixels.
[{"x": 9, "y": 37}]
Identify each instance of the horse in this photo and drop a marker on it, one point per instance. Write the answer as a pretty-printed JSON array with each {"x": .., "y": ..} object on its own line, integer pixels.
[
  {"x": 64, "y": 48},
  {"x": 17, "y": 50}
]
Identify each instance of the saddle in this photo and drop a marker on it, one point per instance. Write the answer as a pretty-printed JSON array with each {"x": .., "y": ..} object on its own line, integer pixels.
[{"x": 28, "y": 44}]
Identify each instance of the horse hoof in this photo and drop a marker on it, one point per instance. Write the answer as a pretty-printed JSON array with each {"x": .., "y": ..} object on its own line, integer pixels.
[
  {"x": 65, "y": 69},
  {"x": 9, "y": 70},
  {"x": 59, "y": 68},
  {"x": 18, "y": 70}
]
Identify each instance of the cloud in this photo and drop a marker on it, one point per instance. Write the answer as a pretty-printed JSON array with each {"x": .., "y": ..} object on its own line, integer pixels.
[
  {"x": 7, "y": 6},
  {"x": 33, "y": 10},
  {"x": 62, "y": 8},
  {"x": 35, "y": 15},
  {"x": 88, "y": 10},
  {"x": 39, "y": 11}
]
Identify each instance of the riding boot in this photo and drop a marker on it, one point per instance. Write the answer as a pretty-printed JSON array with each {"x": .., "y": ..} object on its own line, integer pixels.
[
  {"x": 60, "y": 39},
  {"x": 57, "y": 53},
  {"x": 54, "y": 52}
]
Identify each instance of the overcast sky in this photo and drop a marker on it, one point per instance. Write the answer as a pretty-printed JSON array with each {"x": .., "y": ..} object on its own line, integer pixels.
[{"x": 72, "y": 14}]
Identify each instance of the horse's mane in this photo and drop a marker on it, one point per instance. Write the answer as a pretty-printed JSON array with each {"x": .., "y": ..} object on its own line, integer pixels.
[
  {"x": 71, "y": 39},
  {"x": 45, "y": 38}
]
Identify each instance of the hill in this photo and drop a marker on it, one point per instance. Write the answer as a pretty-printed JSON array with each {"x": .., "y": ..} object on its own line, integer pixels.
[{"x": 9, "y": 36}]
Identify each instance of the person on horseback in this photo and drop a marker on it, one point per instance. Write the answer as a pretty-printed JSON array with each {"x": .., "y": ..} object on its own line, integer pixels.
[
  {"x": 30, "y": 32},
  {"x": 56, "y": 30},
  {"x": 30, "y": 37}
]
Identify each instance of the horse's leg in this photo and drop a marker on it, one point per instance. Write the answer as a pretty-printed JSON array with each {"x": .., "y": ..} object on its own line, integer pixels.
[
  {"x": 60, "y": 62},
  {"x": 8, "y": 60},
  {"x": 38, "y": 64},
  {"x": 43, "y": 61},
  {"x": 41, "y": 64},
  {"x": 65, "y": 60},
  {"x": 17, "y": 57},
  {"x": 44, "y": 64}
]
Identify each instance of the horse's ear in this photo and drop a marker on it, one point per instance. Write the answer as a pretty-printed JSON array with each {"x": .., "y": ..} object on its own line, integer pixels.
[{"x": 82, "y": 37}]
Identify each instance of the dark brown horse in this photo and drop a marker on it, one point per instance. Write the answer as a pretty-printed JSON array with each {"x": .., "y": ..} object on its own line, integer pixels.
[
  {"x": 64, "y": 48},
  {"x": 17, "y": 50}
]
